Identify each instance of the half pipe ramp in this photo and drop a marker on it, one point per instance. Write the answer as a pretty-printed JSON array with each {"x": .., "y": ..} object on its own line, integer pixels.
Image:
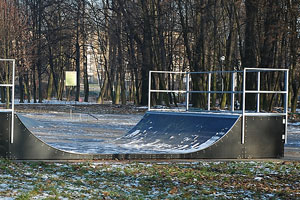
[{"x": 163, "y": 135}]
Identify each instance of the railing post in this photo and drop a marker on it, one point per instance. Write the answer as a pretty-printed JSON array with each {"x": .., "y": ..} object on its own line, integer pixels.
[
  {"x": 232, "y": 91},
  {"x": 244, "y": 106},
  {"x": 13, "y": 103},
  {"x": 149, "y": 92},
  {"x": 187, "y": 90},
  {"x": 286, "y": 78},
  {"x": 209, "y": 89},
  {"x": 258, "y": 94}
]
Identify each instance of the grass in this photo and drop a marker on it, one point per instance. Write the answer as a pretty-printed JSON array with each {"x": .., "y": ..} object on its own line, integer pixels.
[{"x": 197, "y": 180}]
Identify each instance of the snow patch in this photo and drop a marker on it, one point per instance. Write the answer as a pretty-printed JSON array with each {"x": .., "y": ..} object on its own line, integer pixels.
[{"x": 135, "y": 133}]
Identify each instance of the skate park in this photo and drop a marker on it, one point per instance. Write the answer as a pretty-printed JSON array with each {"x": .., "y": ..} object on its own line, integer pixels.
[{"x": 166, "y": 133}]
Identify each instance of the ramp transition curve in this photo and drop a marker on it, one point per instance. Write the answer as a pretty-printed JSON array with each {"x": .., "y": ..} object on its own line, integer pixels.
[{"x": 164, "y": 135}]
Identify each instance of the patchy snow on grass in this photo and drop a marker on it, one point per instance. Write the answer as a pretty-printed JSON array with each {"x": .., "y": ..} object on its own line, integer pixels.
[{"x": 164, "y": 180}]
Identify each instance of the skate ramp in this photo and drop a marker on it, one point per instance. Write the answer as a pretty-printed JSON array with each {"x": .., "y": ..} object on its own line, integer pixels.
[{"x": 157, "y": 136}]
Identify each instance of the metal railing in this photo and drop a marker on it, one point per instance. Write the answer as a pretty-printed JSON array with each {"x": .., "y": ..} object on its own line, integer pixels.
[
  {"x": 258, "y": 92},
  {"x": 187, "y": 91},
  {"x": 12, "y": 86}
]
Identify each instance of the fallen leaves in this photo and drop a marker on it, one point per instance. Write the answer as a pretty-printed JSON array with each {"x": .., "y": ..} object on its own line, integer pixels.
[
  {"x": 105, "y": 193},
  {"x": 174, "y": 190}
]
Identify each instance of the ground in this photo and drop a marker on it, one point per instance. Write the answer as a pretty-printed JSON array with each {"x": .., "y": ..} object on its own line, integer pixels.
[
  {"x": 184, "y": 179},
  {"x": 155, "y": 180}
]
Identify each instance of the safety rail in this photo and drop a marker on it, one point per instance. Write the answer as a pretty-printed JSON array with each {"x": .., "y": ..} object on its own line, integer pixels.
[
  {"x": 187, "y": 91},
  {"x": 12, "y": 86}
]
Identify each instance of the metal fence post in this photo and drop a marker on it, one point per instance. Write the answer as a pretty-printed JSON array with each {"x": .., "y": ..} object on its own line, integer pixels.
[
  {"x": 149, "y": 92},
  {"x": 286, "y": 99},
  {"x": 232, "y": 91},
  {"x": 258, "y": 93},
  {"x": 13, "y": 102},
  {"x": 209, "y": 90},
  {"x": 187, "y": 90},
  {"x": 244, "y": 106}
]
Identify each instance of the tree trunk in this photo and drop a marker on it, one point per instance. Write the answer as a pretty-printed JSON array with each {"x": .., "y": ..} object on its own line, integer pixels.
[
  {"x": 123, "y": 89},
  {"x": 7, "y": 72},
  {"x": 52, "y": 72},
  {"x": 77, "y": 95},
  {"x": 249, "y": 58},
  {"x": 294, "y": 49},
  {"x": 2, "y": 89},
  {"x": 39, "y": 50},
  {"x": 50, "y": 86},
  {"x": 85, "y": 67},
  {"x": 27, "y": 87},
  {"x": 21, "y": 86},
  {"x": 146, "y": 53},
  {"x": 295, "y": 96},
  {"x": 77, "y": 49},
  {"x": 103, "y": 89},
  {"x": 268, "y": 49},
  {"x": 86, "y": 77},
  {"x": 40, "y": 82},
  {"x": 117, "y": 89},
  {"x": 34, "y": 83}
]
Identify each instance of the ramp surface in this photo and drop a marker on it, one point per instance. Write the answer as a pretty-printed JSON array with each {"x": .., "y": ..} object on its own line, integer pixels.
[
  {"x": 178, "y": 132},
  {"x": 155, "y": 133}
]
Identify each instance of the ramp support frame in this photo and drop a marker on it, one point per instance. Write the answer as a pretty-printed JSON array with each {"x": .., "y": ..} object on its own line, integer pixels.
[
  {"x": 244, "y": 112},
  {"x": 12, "y": 86}
]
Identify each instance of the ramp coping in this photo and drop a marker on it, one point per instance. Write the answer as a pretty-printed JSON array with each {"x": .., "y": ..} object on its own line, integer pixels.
[{"x": 197, "y": 114}]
